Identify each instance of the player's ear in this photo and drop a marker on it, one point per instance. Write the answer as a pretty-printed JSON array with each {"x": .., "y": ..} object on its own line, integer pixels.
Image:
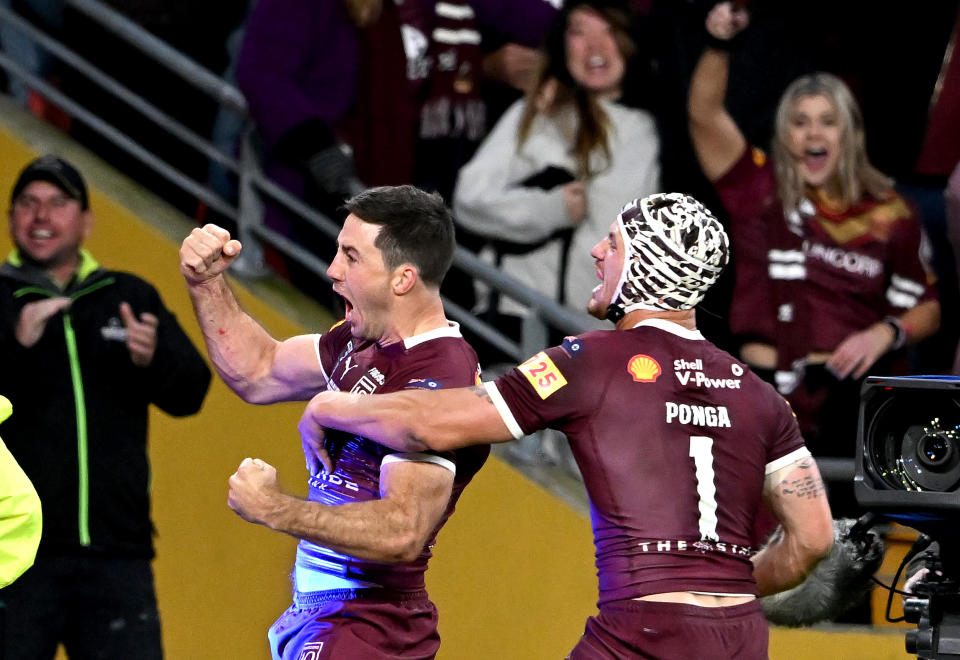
[{"x": 405, "y": 276}]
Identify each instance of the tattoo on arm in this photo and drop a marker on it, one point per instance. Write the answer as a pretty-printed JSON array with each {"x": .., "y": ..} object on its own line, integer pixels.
[
  {"x": 805, "y": 486},
  {"x": 481, "y": 392},
  {"x": 416, "y": 440}
]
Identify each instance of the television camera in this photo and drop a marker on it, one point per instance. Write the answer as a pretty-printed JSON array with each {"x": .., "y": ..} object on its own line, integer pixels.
[{"x": 908, "y": 471}]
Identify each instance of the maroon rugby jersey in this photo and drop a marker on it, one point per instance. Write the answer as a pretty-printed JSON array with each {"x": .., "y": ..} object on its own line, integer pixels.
[
  {"x": 808, "y": 283},
  {"x": 434, "y": 360},
  {"x": 673, "y": 437}
]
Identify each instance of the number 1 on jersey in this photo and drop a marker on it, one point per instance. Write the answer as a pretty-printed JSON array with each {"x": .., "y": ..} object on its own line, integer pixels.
[{"x": 701, "y": 450}]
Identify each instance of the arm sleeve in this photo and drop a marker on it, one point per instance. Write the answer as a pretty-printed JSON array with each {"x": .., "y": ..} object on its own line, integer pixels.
[
  {"x": 911, "y": 279},
  {"x": 487, "y": 199},
  {"x": 20, "y": 519},
  {"x": 331, "y": 345},
  {"x": 746, "y": 187},
  {"x": 785, "y": 443},
  {"x": 545, "y": 391}
]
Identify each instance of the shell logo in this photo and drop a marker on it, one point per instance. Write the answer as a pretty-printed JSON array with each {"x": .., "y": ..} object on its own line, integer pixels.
[{"x": 644, "y": 368}]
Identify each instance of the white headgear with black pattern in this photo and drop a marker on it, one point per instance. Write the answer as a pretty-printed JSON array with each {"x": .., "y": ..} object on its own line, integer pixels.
[{"x": 675, "y": 249}]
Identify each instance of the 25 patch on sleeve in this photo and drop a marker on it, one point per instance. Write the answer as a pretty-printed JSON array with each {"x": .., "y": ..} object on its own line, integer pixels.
[{"x": 543, "y": 374}]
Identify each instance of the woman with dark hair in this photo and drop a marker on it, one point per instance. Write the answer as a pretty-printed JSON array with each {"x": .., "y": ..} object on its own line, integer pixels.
[
  {"x": 553, "y": 172},
  {"x": 830, "y": 283}
]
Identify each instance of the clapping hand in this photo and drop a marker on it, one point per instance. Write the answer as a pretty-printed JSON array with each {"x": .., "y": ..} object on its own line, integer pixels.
[{"x": 141, "y": 335}]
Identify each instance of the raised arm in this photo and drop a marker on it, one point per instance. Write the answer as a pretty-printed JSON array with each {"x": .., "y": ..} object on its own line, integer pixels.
[
  {"x": 253, "y": 364},
  {"x": 411, "y": 420},
  {"x": 394, "y": 528},
  {"x": 716, "y": 138},
  {"x": 796, "y": 495}
]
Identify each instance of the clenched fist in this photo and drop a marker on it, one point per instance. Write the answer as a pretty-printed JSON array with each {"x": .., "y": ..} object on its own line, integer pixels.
[
  {"x": 254, "y": 491},
  {"x": 206, "y": 253}
]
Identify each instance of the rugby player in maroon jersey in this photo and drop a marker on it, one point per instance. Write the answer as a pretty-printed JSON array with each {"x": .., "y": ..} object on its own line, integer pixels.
[
  {"x": 678, "y": 443},
  {"x": 367, "y": 527}
]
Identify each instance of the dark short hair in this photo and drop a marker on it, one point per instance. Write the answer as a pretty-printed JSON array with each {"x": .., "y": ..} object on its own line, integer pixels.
[
  {"x": 53, "y": 170},
  {"x": 416, "y": 228}
]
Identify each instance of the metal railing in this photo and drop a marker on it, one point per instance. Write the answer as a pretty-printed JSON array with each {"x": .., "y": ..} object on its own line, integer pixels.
[{"x": 255, "y": 188}]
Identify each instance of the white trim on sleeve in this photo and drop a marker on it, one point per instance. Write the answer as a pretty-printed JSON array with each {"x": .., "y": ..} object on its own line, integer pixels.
[
  {"x": 503, "y": 409},
  {"x": 784, "y": 461},
  {"x": 419, "y": 457},
  {"x": 907, "y": 285},
  {"x": 323, "y": 372},
  {"x": 901, "y": 299}
]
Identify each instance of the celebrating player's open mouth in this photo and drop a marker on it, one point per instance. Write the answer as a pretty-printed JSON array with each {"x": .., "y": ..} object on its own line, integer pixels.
[
  {"x": 352, "y": 315},
  {"x": 347, "y": 308},
  {"x": 608, "y": 257}
]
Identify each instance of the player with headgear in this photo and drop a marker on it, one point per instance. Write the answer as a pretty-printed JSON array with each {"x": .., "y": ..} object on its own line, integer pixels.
[
  {"x": 677, "y": 251},
  {"x": 678, "y": 443}
]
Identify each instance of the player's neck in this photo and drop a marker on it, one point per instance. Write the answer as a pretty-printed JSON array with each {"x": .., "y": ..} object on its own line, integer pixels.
[
  {"x": 685, "y": 318},
  {"x": 415, "y": 316}
]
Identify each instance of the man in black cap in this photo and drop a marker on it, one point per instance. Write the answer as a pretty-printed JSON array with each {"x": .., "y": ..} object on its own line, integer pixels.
[{"x": 86, "y": 350}]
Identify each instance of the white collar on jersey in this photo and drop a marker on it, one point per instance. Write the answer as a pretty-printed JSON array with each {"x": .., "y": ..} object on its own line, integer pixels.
[
  {"x": 671, "y": 327},
  {"x": 451, "y": 330}
]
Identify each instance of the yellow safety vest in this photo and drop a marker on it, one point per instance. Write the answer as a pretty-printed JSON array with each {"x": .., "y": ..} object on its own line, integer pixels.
[{"x": 20, "y": 514}]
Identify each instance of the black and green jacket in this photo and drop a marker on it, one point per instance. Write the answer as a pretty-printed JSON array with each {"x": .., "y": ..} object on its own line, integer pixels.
[{"x": 80, "y": 432}]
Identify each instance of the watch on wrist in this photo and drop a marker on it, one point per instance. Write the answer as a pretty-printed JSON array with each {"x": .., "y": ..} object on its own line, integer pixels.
[{"x": 899, "y": 332}]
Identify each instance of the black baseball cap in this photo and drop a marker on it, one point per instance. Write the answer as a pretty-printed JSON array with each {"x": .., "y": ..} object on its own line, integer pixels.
[{"x": 56, "y": 171}]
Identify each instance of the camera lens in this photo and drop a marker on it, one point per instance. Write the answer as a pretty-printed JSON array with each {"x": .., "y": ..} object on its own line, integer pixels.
[
  {"x": 913, "y": 443},
  {"x": 929, "y": 458},
  {"x": 908, "y": 440},
  {"x": 934, "y": 450}
]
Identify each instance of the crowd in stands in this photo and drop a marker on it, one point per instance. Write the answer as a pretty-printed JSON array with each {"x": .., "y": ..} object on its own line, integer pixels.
[
  {"x": 537, "y": 119},
  {"x": 549, "y": 176}
]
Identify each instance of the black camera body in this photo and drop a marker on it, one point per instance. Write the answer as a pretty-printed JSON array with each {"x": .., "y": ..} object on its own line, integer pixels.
[
  {"x": 908, "y": 470},
  {"x": 908, "y": 451}
]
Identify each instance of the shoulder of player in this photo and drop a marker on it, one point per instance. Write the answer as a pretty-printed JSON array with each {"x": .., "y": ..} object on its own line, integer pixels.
[
  {"x": 589, "y": 345},
  {"x": 441, "y": 363},
  {"x": 453, "y": 347},
  {"x": 764, "y": 396}
]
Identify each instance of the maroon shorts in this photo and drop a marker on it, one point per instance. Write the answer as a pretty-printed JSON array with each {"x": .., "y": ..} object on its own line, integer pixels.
[
  {"x": 369, "y": 623},
  {"x": 668, "y": 631}
]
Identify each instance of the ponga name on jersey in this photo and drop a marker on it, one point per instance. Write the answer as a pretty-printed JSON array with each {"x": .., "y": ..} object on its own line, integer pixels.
[{"x": 684, "y": 413}]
